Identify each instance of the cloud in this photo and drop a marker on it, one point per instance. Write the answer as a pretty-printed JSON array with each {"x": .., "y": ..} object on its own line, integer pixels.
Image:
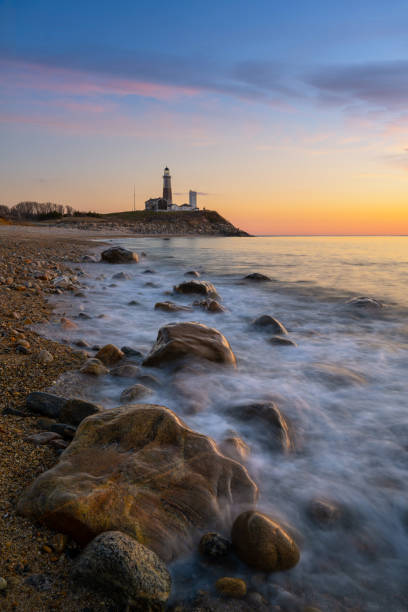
[{"x": 377, "y": 84}]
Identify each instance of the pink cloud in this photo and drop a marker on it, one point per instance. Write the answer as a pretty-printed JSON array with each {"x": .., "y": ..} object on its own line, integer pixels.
[{"x": 18, "y": 75}]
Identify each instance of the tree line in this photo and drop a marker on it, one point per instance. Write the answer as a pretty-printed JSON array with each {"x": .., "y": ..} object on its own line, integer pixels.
[{"x": 40, "y": 211}]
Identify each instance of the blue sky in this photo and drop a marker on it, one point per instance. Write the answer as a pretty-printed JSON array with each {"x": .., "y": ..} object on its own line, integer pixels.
[{"x": 237, "y": 97}]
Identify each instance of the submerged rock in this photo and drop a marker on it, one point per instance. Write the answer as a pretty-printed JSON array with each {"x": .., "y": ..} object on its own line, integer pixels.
[
  {"x": 139, "y": 469},
  {"x": 196, "y": 286},
  {"x": 171, "y": 307},
  {"x": 127, "y": 370},
  {"x": 125, "y": 570},
  {"x": 94, "y": 367},
  {"x": 117, "y": 255},
  {"x": 122, "y": 276},
  {"x": 255, "y": 276},
  {"x": 281, "y": 341},
  {"x": 365, "y": 303},
  {"x": 268, "y": 416},
  {"x": 334, "y": 376},
  {"x": 214, "y": 546},
  {"x": 135, "y": 392},
  {"x": 210, "y": 305},
  {"x": 235, "y": 448},
  {"x": 177, "y": 340},
  {"x": 270, "y": 324},
  {"x": 325, "y": 513},
  {"x": 262, "y": 543}
]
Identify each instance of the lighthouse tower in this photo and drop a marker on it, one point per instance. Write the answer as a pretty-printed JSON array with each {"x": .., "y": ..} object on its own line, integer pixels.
[{"x": 167, "y": 187}]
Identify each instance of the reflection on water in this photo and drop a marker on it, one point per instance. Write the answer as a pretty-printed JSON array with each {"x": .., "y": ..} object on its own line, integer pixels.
[{"x": 342, "y": 390}]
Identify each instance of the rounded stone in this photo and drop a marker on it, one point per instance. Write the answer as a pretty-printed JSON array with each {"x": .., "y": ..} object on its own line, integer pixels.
[
  {"x": 214, "y": 545},
  {"x": 262, "y": 543},
  {"x": 3, "y": 584},
  {"x": 231, "y": 587}
]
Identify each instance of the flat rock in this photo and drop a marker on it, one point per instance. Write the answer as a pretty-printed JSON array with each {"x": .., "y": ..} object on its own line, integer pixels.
[
  {"x": 44, "y": 437},
  {"x": 262, "y": 543},
  {"x": 139, "y": 469},
  {"x": 365, "y": 303},
  {"x": 195, "y": 286},
  {"x": 281, "y": 341},
  {"x": 178, "y": 340},
  {"x": 118, "y": 255},
  {"x": 171, "y": 307},
  {"x": 124, "y": 570},
  {"x": 255, "y": 276}
]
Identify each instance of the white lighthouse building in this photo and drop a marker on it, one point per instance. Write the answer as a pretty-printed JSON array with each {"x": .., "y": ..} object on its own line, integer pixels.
[{"x": 165, "y": 203}]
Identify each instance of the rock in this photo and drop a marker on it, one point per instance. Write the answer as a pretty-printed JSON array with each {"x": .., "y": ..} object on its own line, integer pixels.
[
  {"x": 124, "y": 570},
  {"x": 134, "y": 393},
  {"x": 82, "y": 343},
  {"x": 58, "y": 443},
  {"x": 89, "y": 259},
  {"x": 84, "y": 315},
  {"x": 133, "y": 303},
  {"x": 153, "y": 285},
  {"x": 22, "y": 349},
  {"x": 150, "y": 380},
  {"x": 118, "y": 255},
  {"x": 139, "y": 469},
  {"x": 196, "y": 286},
  {"x": 126, "y": 371},
  {"x": 76, "y": 410},
  {"x": 64, "y": 430},
  {"x": 41, "y": 582},
  {"x": 268, "y": 416},
  {"x": 149, "y": 271},
  {"x": 171, "y": 307},
  {"x": 24, "y": 343},
  {"x": 131, "y": 352},
  {"x": 235, "y": 448},
  {"x": 177, "y": 340},
  {"x": 231, "y": 587},
  {"x": 122, "y": 276},
  {"x": 94, "y": 367},
  {"x": 44, "y": 357},
  {"x": 39, "y": 439},
  {"x": 324, "y": 513},
  {"x": 270, "y": 324},
  {"x": 109, "y": 354},
  {"x": 210, "y": 305},
  {"x": 214, "y": 545},
  {"x": 334, "y": 376},
  {"x": 59, "y": 542},
  {"x": 281, "y": 341},
  {"x": 364, "y": 303},
  {"x": 262, "y": 543},
  {"x": 255, "y": 276},
  {"x": 3, "y": 584},
  {"x": 192, "y": 273},
  {"x": 67, "y": 324},
  {"x": 46, "y": 404}
]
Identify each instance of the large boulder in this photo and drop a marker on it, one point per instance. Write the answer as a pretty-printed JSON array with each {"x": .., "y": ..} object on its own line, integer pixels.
[
  {"x": 139, "y": 469},
  {"x": 119, "y": 255},
  {"x": 124, "y": 570},
  {"x": 262, "y": 543},
  {"x": 177, "y": 340},
  {"x": 197, "y": 286}
]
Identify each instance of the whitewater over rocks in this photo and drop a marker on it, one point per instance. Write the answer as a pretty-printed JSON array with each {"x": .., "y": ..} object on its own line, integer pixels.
[{"x": 226, "y": 476}]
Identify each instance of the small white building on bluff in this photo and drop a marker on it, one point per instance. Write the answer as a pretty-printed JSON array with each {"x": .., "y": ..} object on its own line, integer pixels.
[{"x": 166, "y": 201}]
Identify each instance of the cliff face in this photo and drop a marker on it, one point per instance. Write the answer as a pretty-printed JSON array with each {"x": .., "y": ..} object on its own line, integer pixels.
[{"x": 203, "y": 223}]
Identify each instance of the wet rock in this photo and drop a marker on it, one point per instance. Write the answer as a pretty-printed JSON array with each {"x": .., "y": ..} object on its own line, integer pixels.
[
  {"x": 259, "y": 278},
  {"x": 267, "y": 415},
  {"x": 131, "y": 352},
  {"x": 214, "y": 546},
  {"x": 134, "y": 393},
  {"x": 324, "y": 513},
  {"x": 192, "y": 273},
  {"x": 364, "y": 303},
  {"x": 126, "y": 371},
  {"x": 141, "y": 470},
  {"x": 76, "y": 410},
  {"x": 64, "y": 430},
  {"x": 177, "y": 340},
  {"x": 235, "y": 448},
  {"x": 262, "y": 543},
  {"x": 67, "y": 324},
  {"x": 118, "y": 255},
  {"x": 171, "y": 307},
  {"x": 281, "y": 341},
  {"x": 94, "y": 367},
  {"x": 269, "y": 324},
  {"x": 334, "y": 376},
  {"x": 124, "y": 570},
  {"x": 45, "y": 437},
  {"x": 210, "y": 305},
  {"x": 109, "y": 354},
  {"x": 46, "y": 404},
  {"x": 122, "y": 276},
  {"x": 44, "y": 357},
  {"x": 231, "y": 587},
  {"x": 195, "y": 286}
]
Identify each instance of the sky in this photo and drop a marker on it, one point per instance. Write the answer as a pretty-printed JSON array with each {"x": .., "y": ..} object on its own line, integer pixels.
[{"x": 286, "y": 117}]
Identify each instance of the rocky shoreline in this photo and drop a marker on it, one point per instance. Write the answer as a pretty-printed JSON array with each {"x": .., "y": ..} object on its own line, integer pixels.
[{"x": 152, "y": 488}]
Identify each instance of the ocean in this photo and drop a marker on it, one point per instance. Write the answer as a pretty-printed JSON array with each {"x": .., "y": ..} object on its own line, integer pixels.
[{"x": 342, "y": 389}]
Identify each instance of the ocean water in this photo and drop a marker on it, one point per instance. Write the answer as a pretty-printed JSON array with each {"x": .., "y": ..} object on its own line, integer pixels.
[{"x": 343, "y": 390}]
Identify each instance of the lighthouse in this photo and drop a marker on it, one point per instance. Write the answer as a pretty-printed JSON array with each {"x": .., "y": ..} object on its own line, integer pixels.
[{"x": 167, "y": 186}]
